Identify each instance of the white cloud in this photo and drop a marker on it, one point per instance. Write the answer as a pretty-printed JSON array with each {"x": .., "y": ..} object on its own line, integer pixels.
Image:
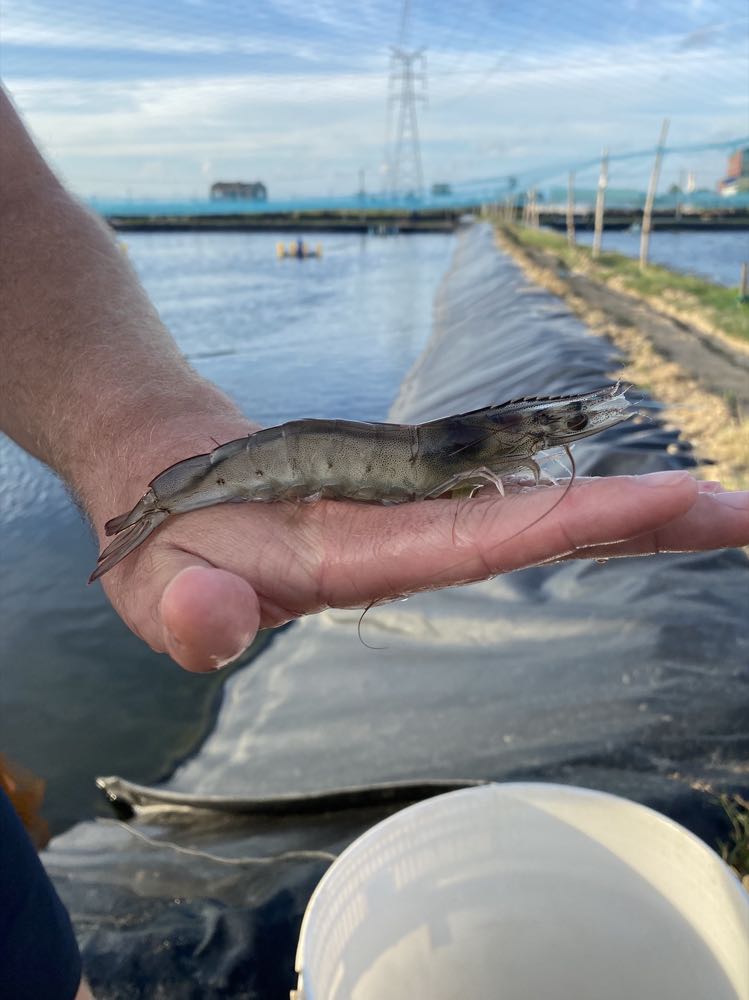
[
  {"x": 61, "y": 35},
  {"x": 112, "y": 29},
  {"x": 487, "y": 115}
]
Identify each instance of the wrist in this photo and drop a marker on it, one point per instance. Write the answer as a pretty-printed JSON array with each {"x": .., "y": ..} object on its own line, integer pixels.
[{"x": 142, "y": 442}]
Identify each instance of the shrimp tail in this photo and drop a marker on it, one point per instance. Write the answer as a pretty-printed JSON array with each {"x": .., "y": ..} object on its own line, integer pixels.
[
  {"x": 130, "y": 536},
  {"x": 148, "y": 504},
  {"x": 116, "y": 524}
]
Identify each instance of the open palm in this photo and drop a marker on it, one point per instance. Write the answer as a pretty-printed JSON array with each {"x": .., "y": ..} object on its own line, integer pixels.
[{"x": 203, "y": 584}]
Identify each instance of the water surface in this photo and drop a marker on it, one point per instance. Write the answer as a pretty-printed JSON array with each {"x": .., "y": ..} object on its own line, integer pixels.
[
  {"x": 81, "y": 695},
  {"x": 716, "y": 256}
]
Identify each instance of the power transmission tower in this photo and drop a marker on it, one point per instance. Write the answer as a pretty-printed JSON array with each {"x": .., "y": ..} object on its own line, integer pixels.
[{"x": 406, "y": 86}]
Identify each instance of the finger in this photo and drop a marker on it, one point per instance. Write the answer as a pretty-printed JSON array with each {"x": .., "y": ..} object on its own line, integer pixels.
[
  {"x": 209, "y": 616},
  {"x": 715, "y": 521},
  {"x": 203, "y": 617},
  {"x": 429, "y": 545}
]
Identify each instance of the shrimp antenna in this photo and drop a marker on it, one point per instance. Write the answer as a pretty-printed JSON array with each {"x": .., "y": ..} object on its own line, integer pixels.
[
  {"x": 573, "y": 470},
  {"x": 455, "y": 521},
  {"x": 381, "y": 600}
]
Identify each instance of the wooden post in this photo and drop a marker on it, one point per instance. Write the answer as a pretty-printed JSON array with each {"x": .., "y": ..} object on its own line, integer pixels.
[
  {"x": 648, "y": 210},
  {"x": 744, "y": 283},
  {"x": 532, "y": 210},
  {"x": 603, "y": 183},
  {"x": 571, "y": 208}
]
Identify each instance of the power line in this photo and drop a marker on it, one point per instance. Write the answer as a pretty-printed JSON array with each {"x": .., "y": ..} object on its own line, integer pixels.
[{"x": 549, "y": 172}]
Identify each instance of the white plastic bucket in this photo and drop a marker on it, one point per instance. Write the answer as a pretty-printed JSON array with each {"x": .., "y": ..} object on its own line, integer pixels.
[{"x": 524, "y": 892}]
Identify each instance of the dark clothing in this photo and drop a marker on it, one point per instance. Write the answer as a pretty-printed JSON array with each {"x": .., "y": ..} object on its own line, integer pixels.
[{"x": 39, "y": 957}]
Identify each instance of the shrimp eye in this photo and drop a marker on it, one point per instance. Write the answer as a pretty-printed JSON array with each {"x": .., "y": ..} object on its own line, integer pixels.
[{"x": 577, "y": 423}]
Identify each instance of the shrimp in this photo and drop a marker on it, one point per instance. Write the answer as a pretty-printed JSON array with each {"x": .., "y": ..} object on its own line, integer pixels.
[{"x": 305, "y": 460}]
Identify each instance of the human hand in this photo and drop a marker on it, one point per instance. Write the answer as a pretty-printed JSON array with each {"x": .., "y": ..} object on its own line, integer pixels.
[{"x": 205, "y": 582}]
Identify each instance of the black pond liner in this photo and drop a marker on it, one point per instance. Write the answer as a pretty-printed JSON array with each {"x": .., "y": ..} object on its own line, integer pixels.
[{"x": 630, "y": 677}]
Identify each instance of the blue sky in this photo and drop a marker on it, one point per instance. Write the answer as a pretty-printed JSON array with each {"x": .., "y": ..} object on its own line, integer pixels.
[{"x": 162, "y": 99}]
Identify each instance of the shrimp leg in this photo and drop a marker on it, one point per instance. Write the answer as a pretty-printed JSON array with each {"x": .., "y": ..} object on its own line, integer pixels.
[{"x": 482, "y": 473}]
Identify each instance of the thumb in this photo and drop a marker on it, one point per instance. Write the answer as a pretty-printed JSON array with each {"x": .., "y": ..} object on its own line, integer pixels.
[{"x": 208, "y": 616}]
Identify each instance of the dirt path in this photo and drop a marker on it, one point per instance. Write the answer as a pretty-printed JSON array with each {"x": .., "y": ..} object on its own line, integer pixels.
[
  {"x": 719, "y": 367},
  {"x": 677, "y": 362}
]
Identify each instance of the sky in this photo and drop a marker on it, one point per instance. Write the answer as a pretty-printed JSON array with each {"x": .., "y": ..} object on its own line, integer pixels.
[{"x": 160, "y": 100}]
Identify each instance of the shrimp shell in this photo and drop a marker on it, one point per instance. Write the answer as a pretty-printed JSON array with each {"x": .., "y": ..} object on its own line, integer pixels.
[{"x": 380, "y": 463}]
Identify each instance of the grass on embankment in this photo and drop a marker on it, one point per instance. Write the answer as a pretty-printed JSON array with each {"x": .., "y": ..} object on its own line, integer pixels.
[
  {"x": 715, "y": 425},
  {"x": 688, "y": 298},
  {"x": 735, "y": 852}
]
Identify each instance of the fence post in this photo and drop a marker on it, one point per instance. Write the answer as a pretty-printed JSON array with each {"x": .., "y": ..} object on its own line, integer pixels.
[
  {"x": 571, "y": 209},
  {"x": 603, "y": 183},
  {"x": 648, "y": 210},
  {"x": 533, "y": 221}
]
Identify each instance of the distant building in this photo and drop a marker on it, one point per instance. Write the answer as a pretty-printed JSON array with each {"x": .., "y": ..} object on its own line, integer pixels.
[
  {"x": 736, "y": 180},
  {"x": 441, "y": 190},
  {"x": 236, "y": 190}
]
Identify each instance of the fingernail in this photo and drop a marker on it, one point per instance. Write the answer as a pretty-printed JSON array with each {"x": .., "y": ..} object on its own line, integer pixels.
[
  {"x": 738, "y": 500},
  {"x": 219, "y": 662},
  {"x": 668, "y": 479}
]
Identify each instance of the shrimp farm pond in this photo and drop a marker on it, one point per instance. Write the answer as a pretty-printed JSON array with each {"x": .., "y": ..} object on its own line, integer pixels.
[
  {"x": 629, "y": 677},
  {"x": 324, "y": 337},
  {"x": 716, "y": 255}
]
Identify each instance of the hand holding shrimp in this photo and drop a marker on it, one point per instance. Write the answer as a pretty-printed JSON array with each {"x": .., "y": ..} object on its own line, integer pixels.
[
  {"x": 206, "y": 581},
  {"x": 368, "y": 462}
]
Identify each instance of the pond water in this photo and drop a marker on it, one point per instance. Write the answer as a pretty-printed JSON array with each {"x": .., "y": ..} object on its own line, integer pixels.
[
  {"x": 333, "y": 336},
  {"x": 716, "y": 256}
]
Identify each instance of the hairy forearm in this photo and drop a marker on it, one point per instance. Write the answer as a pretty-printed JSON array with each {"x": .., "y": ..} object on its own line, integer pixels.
[{"x": 89, "y": 377}]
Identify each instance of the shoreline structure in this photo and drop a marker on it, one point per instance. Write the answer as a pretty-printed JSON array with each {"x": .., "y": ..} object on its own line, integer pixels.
[
  {"x": 676, "y": 349},
  {"x": 393, "y": 220},
  {"x": 336, "y": 220}
]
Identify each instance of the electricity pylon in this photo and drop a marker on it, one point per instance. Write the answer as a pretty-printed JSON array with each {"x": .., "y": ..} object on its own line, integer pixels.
[{"x": 407, "y": 85}]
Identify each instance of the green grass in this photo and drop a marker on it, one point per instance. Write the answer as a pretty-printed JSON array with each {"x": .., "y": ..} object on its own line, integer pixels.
[
  {"x": 736, "y": 851},
  {"x": 715, "y": 305}
]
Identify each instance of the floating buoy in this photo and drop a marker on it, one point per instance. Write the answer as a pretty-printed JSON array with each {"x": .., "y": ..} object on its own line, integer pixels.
[{"x": 298, "y": 249}]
